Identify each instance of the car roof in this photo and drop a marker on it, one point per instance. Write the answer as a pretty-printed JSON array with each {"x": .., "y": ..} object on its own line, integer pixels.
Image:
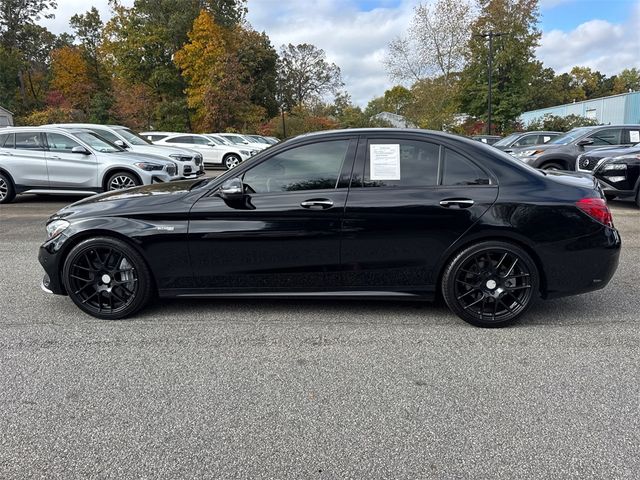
[
  {"x": 86, "y": 125},
  {"x": 47, "y": 128}
]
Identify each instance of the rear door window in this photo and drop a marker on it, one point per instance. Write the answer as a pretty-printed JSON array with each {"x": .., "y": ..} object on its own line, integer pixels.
[
  {"x": 401, "y": 163},
  {"x": 182, "y": 139},
  {"x": 29, "y": 141},
  {"x": 3, "y": 138},
  {"x": 633, "y": 136},
  {"x": 106, "y": 134}
]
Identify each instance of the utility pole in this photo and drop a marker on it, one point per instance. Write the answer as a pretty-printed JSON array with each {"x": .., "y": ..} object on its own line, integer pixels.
[
  {"x": 490, "y": 35},
  {"x": 284, "y": 126}
]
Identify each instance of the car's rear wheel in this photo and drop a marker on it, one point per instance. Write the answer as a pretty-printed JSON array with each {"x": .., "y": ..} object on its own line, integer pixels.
[
  {"x": 7, "y": 192},
  {"x": 490, "y": 284},
  {"x": 122, "y": 180},
  {"x": 232, "y": 161},
  {"x": 107, "y": 278}
]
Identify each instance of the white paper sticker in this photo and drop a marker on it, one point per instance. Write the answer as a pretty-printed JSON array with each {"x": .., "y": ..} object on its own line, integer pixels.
[
  {"x": 634, "y": 136},
  {"x": 546, "y": 139},
  {"x": 384, "y": 162}
]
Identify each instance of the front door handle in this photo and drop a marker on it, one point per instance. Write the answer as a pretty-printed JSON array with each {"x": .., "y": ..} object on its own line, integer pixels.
[
  {"x": 317, "y": 204},
  {"x": 457, "y": 202}
]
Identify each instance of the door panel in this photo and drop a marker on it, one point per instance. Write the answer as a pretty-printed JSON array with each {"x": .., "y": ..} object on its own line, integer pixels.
[
  {"x": 29, "y": 155},
  {"x": 272, "y": 243},
  {"x": 394, "y": 235},
  {"x": 69, "y": 170},
  {"x": 283, "y": 233}
]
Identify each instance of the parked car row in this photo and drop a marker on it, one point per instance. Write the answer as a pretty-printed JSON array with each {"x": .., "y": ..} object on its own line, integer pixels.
[{"x": 85, "y": 159}]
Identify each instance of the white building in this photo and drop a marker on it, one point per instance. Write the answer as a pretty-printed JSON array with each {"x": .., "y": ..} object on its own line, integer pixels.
[{"x": 6, "y": 118}]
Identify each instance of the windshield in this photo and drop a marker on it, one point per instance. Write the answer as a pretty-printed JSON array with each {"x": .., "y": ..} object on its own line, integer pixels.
[
  {"x": 234, "y": 139},
  {"x": 506, "y": 141},
  {"x": 213, "y": 139},
  {"x": 132, "y": 138},
  {"x": 98, "y": 143},
  {"x": 570, "y": 136}
]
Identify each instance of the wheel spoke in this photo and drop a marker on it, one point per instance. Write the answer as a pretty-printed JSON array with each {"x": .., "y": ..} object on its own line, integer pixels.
[
  {"x": 475, "y": 303},
  {"x": 465, "y": 294}
]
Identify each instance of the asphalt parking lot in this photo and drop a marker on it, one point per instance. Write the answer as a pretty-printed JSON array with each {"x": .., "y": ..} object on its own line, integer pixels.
[{"x": 314, "y": 389}]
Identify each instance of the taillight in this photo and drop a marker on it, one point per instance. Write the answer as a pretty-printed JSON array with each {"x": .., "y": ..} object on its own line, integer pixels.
[{"x": 597, "y": 209}]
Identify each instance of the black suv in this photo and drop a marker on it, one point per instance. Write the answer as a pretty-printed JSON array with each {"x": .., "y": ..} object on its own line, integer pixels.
[{"x": 561, "y": 153}]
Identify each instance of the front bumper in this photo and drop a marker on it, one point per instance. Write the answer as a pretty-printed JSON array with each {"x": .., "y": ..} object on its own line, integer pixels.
[{"x": 49, "y": 258}]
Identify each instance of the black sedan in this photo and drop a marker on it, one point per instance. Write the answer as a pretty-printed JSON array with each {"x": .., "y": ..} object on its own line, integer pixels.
[{"x": 372, "y": 214}]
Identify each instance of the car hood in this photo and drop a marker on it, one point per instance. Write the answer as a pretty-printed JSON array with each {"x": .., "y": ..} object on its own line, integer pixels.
[
  {"x": 162, "y": 150},
  {"x": 144, "y": 199},
  {"x": 131, "y": 157},
  {"x": 612, "y": 152}
]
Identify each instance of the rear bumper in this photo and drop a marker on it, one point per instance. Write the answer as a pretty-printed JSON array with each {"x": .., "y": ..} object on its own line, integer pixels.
[{"x": 581, "y": 265}]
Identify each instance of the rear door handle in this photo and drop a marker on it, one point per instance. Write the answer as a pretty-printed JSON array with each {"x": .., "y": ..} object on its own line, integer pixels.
[
  {"x": 457, "y": 202},
  {"x": 317, "y": 204}
]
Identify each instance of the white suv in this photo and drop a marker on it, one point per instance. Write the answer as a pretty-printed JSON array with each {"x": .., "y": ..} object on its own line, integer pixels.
[
  {"x": 189, "y": 162},
  {"x": 213, "y": 151},
  {"x": 72, "y": 161}
]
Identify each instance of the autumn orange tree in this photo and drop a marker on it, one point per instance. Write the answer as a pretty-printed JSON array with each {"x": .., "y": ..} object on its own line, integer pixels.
[
  {"x": 71, "y": 77},
  {"x": 219, "y": 87}
]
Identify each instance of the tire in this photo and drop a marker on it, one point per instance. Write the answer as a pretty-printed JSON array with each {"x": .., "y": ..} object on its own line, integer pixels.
[
  {"x": 107, "y": 278},
  {"x": 7, "y": 191},
  {"x": 490, "y": 284},
  {"x": 232, "y": 161},
  {"x": 552, "y": 166},
  {"x": 638, "y": 197},
  {"x": 122, "y": 180}
]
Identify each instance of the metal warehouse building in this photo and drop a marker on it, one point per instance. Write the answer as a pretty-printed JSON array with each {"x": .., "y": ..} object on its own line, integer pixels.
[
  {"x": 6, "y": 118},
  {"x": 616, "y": 109}
]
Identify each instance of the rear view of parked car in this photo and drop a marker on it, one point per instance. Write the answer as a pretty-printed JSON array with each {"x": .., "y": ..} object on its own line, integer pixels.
[
  {"x": 370, "y": 214},
  {"x": 562, "y": 152},
  {"x": 53, "y": 160}
]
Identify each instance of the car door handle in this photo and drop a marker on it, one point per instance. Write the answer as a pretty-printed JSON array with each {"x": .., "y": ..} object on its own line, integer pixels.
[
  {"x": 459, "y": 202},
  {"x": 317, "y": 204}
]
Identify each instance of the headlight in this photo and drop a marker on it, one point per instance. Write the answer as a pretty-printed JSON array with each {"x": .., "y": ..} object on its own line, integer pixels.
[
  {"x": 180, "y": 157},
  {"x": 528, "y": 153},
  {"x": 253, "y": 152},
  {"x": 245, "y": 153},
  {"x": 56, "y": 227},
  {"x": 149, "y": 167},
  {"x": 615, "y": 166}
]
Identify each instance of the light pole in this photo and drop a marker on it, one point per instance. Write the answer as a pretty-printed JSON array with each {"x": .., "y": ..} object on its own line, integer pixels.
[{"x": 490, "y": 35}]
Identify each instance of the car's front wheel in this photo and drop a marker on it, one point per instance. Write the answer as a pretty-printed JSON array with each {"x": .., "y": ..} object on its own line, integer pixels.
[
  {"x": 122, "y": 180},
  {"x": 7, "y": 192},
  {"x": 490, "y": 284},
  {"x": 107, "y": 278},
  {"x": 232, "y": 161},
  {"x": 552, "y": 166}
]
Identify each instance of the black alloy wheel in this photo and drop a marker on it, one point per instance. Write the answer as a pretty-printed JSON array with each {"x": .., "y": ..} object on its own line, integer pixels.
[
  {"x": 122, "y": 180},
  {"x": 7, "y": 192},
  {"x": 232, "y": 161},
  {"x": 490, "y": 284},
  {"x": 107, "y": 278}
]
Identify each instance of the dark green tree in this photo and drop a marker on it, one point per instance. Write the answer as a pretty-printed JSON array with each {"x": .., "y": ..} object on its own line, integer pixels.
[{"x": 513, "y": 61}]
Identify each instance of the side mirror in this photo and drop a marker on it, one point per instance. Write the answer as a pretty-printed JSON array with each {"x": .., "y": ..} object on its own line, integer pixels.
[
  {"x": 80, "y": 150},
  {"x": 231, "y": 189},
  {"x": 586, "y": 141},
  {"x": 211, "y": 144},
  {"x": 120, "y": 143}
]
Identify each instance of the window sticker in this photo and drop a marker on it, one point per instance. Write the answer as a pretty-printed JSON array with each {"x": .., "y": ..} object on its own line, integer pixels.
[
  {"x": 634, "y": 136},
  {"x": 546, "y": 139},
  {"x": 384, "y": 161}
]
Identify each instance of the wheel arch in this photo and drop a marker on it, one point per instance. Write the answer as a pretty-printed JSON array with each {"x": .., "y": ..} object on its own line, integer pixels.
[
  {"x": 488, "y": 238},
  {"x": 566, "y": 162},
  {"x": 8, "y": 175},
  {"x": 112, "y": 171},
  {"x": 88, "y": 234}
]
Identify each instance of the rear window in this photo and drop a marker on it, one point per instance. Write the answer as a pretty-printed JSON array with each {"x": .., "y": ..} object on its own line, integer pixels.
[{"x": 3, "y": 138}]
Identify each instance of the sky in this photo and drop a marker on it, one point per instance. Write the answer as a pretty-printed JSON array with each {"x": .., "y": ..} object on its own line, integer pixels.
[{"x": 601, "y": 34}]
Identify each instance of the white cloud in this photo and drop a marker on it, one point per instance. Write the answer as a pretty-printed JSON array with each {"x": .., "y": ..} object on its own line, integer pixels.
[
  {"x": 601, "y": 45},
  {"x": 353, "y": 39}
]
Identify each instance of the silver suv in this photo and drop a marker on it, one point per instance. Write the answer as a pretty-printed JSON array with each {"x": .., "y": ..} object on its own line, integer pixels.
[
  {"x": 55, "y": 160},
  {"x": 189, "y": 162}
]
